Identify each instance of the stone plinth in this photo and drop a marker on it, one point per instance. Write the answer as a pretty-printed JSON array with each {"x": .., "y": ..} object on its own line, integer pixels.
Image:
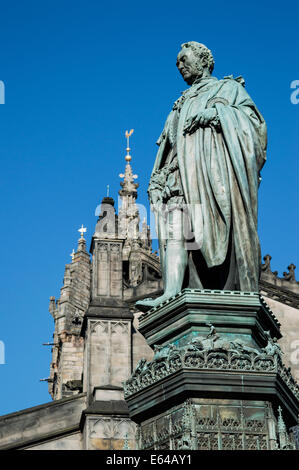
[
  {"x": 217, "y": 379},
  {"x": 234, "y": 314}
]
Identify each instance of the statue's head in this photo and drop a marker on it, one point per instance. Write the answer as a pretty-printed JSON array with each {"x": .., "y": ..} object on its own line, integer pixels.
[{"x": 194, "y": 61}]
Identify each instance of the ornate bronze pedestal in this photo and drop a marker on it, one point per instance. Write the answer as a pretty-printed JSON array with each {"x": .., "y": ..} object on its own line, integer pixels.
[{"x": 217, "y": 380}]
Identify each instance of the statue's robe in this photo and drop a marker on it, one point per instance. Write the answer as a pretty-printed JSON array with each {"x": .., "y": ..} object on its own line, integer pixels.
[{"x": 219, "y": 169}]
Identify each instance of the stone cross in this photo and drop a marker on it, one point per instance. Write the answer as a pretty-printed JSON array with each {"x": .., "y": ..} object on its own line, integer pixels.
[{"x": 82, "y": 230}]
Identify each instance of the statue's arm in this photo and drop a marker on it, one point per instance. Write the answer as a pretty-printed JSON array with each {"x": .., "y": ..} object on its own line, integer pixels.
[
  {"x": 241, "y": 115},
  {"x": 233, "y": 95},
  {"x": 208, "y": 117},
  {"x": 155, "y": 188}
]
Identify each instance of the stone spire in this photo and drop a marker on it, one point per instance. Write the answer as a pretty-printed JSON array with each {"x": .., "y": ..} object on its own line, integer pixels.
[
  {"x": 128, "y": 213},
  {"x": 138, "y": 260},
  {"x": 122, "y": 257}
]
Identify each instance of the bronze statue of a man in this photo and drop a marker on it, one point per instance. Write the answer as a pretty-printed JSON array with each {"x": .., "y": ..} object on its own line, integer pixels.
[{"x": 211, "y": 151}]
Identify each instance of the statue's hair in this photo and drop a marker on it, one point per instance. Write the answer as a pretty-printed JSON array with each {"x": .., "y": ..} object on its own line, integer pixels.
[{"x": 202, "y": 52}]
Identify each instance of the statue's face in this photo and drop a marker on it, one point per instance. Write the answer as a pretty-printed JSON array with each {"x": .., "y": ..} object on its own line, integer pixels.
[{"x": 189, "y": 65}]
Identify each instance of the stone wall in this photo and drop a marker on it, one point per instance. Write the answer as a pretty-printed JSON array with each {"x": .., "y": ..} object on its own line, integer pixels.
[
  {"x": 69, "y": 442},
  {"x": 289, "y": 319},
  {"x": 44, "y": 425}
]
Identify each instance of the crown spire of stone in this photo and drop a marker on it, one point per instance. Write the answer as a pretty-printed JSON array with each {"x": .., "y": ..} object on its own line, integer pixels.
[
  {"x": 128, "y": 212},
  {"x": 128, "y": 185}
]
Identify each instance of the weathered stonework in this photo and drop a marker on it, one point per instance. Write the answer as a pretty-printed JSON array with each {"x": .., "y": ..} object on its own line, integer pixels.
[
  {"x": 283, "y": 289},
  {"x": 66, "y": 368},
  {"x": 282, "y": 295},
  {"x": 105, "y": 432},
  {"x": 52, "y": 425}
]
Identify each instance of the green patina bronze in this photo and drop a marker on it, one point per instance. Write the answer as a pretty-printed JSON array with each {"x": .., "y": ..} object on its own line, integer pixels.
[
  {"x": 205, "y": 182},
  {"x": 217, "y": 377},
  {"x": 217, "y": 380}
]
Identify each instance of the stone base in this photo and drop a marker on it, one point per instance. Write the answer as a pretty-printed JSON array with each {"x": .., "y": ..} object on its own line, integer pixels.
[
  {"x": 216, "y": 357},
  {"x": 105, "y": 423},
  {"x": 234, "y": 314}
]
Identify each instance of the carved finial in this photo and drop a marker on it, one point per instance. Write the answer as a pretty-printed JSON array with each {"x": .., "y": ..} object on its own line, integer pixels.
[
  {"x": 290, "y": 276},
  {"x": 266, "y": 267},
  {"x": 128, "y": 135},
  {"x": 72, "y": 254},
  {"x": 52, "y": 306},
  {"x": 280, "y": 421},
  {"x": 283, "y": 437}
]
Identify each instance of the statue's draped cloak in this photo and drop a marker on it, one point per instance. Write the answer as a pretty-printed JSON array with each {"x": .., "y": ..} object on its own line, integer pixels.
[{"x": 219, "y": 171}]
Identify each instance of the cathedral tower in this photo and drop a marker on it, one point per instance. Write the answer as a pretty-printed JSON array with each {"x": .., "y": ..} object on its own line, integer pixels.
[{"x": 68, "y": 311}]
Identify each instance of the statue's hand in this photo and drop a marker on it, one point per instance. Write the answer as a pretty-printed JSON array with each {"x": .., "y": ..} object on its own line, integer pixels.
[
  {"x": 191, "y": 125},
  {"x": 203, "y": 119},
  {"x": 155, "y": 197}
]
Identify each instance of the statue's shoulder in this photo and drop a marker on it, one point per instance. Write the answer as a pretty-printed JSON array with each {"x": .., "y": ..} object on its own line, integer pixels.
[{"x": 237, "y": 81}]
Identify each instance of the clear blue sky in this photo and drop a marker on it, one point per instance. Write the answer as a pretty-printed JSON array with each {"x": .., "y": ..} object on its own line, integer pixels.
[{"x": 77, "y": 75}]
